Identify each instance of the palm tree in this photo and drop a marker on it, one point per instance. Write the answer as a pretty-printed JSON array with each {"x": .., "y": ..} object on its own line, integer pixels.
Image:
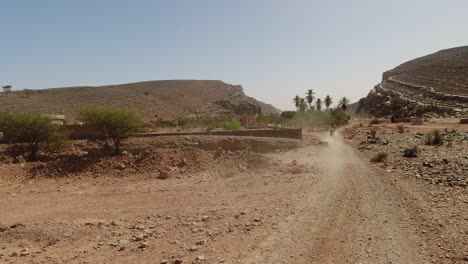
[
  {"x": 310, "y": 97},
  {"x": 296, "y": 101},
  {"x": 302, "y": 105},
  {"x": 318, "y": 104},
  {"x": 328, "y": 101},
  {"x": 343, "y": 104}
]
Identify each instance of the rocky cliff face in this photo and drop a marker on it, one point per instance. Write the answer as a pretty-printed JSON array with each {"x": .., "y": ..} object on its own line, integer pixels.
[{"x": 436, "y": 84}]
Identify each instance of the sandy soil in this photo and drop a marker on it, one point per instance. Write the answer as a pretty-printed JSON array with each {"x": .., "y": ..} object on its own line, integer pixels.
[{"x": 315, "y": 204}]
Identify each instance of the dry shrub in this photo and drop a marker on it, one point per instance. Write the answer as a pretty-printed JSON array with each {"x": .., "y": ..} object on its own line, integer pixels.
[{"x": 379, "y": 157}]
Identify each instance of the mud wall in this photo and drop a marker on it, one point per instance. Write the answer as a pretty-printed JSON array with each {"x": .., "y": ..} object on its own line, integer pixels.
[
  {"x": 294, "y": 133},
  {"x": 82, "y": 132}
]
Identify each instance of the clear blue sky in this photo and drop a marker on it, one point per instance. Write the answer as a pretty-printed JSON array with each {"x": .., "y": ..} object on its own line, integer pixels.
[{"x": 275, "y": 49}]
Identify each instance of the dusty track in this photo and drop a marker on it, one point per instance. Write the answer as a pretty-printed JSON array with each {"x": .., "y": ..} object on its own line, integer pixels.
[{"x": 350, "y": 216}]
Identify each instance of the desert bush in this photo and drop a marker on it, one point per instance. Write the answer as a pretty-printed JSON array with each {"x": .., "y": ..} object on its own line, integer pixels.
[
  {"x": 373, "y": 134},
  {"x": 401, "y": 129},
  {"x": 116, "y": 124},
  {"x": 233, "y": 124},
  {"x": 33, "y": 130},
  {"x": 419, "y": 111},
  {"x": 434, "y": 138},
  {"x": 379, "y": 157},
  {"x": 338, "y": 117},
  {"x": 375, "y": 121},
  {"x": 411, "y": 152}
]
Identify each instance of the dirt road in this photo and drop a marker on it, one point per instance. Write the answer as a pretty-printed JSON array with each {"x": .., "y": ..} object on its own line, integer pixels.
[
  {"x": 350, "y": 216},
  {"x": 337, "y": 211}
]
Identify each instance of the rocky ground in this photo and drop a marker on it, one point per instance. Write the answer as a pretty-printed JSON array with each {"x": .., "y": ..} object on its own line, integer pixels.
[{"x": 436, "y": 179}]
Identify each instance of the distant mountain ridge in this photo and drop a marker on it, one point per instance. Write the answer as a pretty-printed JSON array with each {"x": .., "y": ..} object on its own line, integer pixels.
[
  {"x": 437, "y": 82},
  {"x": 167, "y": 99}
]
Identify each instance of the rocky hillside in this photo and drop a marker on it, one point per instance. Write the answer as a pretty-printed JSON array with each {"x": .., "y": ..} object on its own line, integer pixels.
[
  {"x": 153, "y": 99},
  {"x": 437, "y": 83}
]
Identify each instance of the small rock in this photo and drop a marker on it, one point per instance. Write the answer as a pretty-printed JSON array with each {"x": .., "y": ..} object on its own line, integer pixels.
[
  {"x": 182, "y": 163},
  {"x": 193, "y": 248},
  {"x": 116, "y": 222},
  {"x": 164, "y": 261},
  {"x": 3, "y": 228},
  {"x": 164, "y": 175},
  {"x": 200, "y": 257},
  {"x": 178, "y": 261},
  {"x": 143, "y": 245},
  {"x": 202, "y": 242},
  {"x": 16, "y": 225}
]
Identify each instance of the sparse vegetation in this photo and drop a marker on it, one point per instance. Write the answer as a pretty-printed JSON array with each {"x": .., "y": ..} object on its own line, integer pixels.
[
  {"x": 379, "y": 157},
  {"x": 338, "y": 117},
  {"x": 375, "y": 121},
  {"x": 419, "y": 111},
  {"x": 411, "y": 152},
  {"x": 373, "y": 134},
  {"x": 435, "y": 138},
  {"x": 274, "y": 119},
  {"x": 401, "y": 129},
  {"x": 28, "y": 92},
  {"x": 116, "y": 124},
  {"x": 32, "y": 130},
  {"x": 233, "y": 124}
]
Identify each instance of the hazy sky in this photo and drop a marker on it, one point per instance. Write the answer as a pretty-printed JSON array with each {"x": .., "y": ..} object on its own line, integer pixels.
[{"x": 275, "y": 49}]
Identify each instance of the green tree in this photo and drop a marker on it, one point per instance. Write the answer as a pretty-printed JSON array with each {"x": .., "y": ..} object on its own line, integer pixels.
[
  {"x": 318, "y": 104},
  {"x": 328, "y": 101},
  {"x": 338, "y": 117},
  {"x": 116, "y": 124},
  {"x": 297, "y": 101},
  {"x": 33, "y": 130},
  {"x": 310, "y": 96},
  {"x": 343, "y": 103}
]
